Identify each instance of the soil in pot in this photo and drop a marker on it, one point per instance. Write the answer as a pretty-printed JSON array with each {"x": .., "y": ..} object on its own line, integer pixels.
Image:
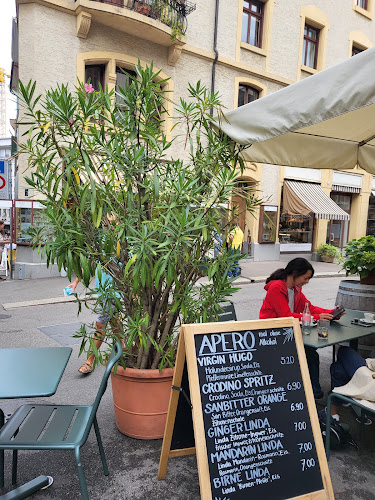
[{"x": 141, "y": 399}]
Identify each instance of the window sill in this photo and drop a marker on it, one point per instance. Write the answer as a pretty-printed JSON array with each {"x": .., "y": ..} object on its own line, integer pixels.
[
  {"x": 252, "y": 48},
  {"x": 307, "y": 69},
  {"x": 363, "y": 12}
]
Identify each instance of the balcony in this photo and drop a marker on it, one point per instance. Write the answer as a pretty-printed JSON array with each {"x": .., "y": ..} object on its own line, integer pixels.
[
  {"x": 169, "y": 12},
  {"x": 160, "y": 21}
]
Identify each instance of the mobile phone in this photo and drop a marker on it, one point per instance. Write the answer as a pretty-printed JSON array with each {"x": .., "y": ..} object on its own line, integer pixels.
[
  {"x": 337, "y": 312},
  {"x": 356, "y": 321}
]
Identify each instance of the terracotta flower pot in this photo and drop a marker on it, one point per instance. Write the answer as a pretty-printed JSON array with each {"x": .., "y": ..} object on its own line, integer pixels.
[{"x": 141, "y": 400}]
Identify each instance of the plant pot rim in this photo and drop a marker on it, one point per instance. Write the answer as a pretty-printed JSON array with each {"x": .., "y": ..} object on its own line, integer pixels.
[{"x": 144, "y": 374}]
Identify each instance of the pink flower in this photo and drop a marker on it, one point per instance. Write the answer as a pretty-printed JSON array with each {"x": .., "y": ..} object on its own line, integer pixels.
[
  {"x": 89, "y": 88},
  {"x": 70, "y": 122}
]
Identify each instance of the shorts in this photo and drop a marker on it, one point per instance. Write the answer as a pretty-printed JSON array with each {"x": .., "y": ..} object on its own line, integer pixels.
[{"x": 104, "y": 312}]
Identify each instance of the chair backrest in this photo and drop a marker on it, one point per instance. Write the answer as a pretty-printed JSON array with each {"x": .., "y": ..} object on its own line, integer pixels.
[
  {"x": 229, "y": 312},
  {"x": 114, "y": 357}
]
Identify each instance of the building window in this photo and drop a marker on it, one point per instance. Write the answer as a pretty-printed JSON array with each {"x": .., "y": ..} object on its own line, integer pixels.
[
  {"x": 122, "y": 81},
  {"x": 310, "y": 46},
  {"x": 362, "y": 4},
  {"x": 247, "y": 94},
  {"x": 252, "y": 23},
  {"x": 95, "y": 73},
  {"x": 356, "y": 50}
]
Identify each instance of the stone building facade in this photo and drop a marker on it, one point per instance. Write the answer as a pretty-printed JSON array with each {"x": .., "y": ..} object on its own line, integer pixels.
[{"x": 244, "y": 50}]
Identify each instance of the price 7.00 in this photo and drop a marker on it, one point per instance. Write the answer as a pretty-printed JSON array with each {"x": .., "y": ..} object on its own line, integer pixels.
[
  {"x": 305, "y": 447},
  {"x": 307, "y": 463}
]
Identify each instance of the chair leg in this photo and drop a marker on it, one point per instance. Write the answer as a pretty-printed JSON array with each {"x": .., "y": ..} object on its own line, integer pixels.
[
  {"x": 328, "y": 427},
  {"x": 101, "y": 449},
  {"x": 81, "y": 474},
  {"x": 14, "y": 466},
  {"x": 362, "y": 428}
]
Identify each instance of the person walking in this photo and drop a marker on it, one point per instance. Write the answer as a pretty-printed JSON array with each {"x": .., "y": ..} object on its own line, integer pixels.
[{"x": 235, "y": 242}]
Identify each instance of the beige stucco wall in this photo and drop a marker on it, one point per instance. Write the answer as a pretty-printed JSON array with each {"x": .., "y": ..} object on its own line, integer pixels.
[{"x": 50, "y": 48}]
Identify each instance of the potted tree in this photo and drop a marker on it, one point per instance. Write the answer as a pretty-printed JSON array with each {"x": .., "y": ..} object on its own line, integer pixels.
[
  {"x": 119, "y": 201},
  {"x": 328, "y": 253}
]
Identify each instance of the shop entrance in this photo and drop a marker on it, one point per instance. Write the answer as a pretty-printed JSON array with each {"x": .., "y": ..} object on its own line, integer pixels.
[{"x": 337, "y": 230}]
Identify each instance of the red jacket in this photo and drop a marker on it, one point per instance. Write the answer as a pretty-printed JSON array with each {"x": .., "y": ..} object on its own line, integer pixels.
[{"x": 276, "y": 303}]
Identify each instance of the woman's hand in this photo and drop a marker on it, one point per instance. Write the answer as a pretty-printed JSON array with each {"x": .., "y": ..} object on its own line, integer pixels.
[
  {"x": 342, "y": 314},
  {"x": 327, "y": 316},
  {"x": 74, "y": 284}
]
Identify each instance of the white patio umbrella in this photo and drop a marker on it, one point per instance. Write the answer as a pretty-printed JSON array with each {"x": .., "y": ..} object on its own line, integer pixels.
[{"x": 324, "y": 121}]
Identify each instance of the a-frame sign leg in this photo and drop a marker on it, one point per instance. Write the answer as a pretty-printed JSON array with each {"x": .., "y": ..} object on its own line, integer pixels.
[{"x": 166, "y": 451}]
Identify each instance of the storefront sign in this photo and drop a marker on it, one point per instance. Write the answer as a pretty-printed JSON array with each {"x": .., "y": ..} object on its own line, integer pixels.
[{"x": 255, "y": 423}]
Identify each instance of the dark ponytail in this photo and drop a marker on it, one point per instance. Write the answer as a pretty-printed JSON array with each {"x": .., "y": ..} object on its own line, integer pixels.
[{"x": 296, "y": 267}]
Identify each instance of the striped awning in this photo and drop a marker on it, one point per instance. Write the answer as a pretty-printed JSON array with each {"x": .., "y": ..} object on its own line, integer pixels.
[
  {"x": 346, "y": 189},
  {"x": 302, "y": 198}
]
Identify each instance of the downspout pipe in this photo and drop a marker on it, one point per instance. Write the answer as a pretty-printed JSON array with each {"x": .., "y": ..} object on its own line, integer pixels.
[{"x": 215, "y": 50}]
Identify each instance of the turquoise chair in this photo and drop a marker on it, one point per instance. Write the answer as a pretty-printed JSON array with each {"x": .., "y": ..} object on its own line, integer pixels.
[
  {"x": 228, "y": 312},
  {"x": 56, "y": 427}
]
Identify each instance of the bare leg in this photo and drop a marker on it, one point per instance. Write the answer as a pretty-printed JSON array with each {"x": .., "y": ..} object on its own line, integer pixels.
[{"x": 99, "y": 337}]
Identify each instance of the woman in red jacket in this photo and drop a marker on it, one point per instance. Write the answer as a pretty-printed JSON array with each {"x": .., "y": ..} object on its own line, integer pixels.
[{"x": 285, "y": 298}]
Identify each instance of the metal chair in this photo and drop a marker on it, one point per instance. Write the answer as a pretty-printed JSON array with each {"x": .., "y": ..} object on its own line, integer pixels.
[
  {"x": 363, "y": 411},
  {"x": 57, "y": 427},
  {"x": 228, "y": 312}
]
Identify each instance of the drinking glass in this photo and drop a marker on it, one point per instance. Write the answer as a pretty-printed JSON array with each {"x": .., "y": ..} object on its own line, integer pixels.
[{"x": 323, "y": 325}]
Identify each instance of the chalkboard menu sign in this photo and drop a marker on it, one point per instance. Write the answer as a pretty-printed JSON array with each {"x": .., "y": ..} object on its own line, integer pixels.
[{"x": 255, "y": 423}]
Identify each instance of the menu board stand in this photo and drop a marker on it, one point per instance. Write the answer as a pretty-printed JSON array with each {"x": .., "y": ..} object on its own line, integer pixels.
[{"x": 256, "y": 429}]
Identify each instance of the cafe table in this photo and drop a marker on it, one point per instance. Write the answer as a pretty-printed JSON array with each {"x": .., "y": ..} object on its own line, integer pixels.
[
  {"x": 31, "y": 372},
  {"x": 339, "y": 331}
]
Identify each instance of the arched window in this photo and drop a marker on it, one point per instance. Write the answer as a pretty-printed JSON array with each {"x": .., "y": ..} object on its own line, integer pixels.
[{"x": 247, "y": 94}]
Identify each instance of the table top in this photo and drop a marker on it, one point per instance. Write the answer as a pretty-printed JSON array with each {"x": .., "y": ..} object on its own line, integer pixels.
[
  {"x": 31, "y": 372},
  {"x": 339, "y": 331}
]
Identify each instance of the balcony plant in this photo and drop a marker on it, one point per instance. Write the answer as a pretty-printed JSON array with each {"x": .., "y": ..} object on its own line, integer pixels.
[
  {"x": 119, "y": 201},
  {"x": 360, "y": 259},
  {"x": 328, "y": 253}
]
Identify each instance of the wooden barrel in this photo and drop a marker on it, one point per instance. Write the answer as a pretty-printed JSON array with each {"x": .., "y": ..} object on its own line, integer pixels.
[{"x": 353, "y": 295}]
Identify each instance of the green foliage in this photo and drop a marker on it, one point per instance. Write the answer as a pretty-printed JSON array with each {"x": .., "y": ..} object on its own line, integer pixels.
[
  {"x": 329, "y": 250},
  {"x": 118, "y": 202},
  {"x": 360, "y": 256}
]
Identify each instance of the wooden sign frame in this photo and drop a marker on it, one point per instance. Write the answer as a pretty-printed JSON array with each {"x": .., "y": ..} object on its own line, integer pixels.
[{"x": 187, "y": 349}]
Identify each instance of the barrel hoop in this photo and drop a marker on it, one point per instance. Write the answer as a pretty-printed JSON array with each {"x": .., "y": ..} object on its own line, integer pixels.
[{"x": 356, "y": 293}]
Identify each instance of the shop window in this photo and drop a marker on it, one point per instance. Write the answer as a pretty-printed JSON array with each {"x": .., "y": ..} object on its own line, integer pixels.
[
  {"x": 247, "y": 94},
  {"x": 296, "y": 228},
  {"x": 267, "y": 224},
  {"x": 252, "y": 23},
  {"x": 28, "y": 214},
  {"x": 95, "y": 73},
  {"x": 310, "y": 46},
  {"x": 23, "y": 224}
]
